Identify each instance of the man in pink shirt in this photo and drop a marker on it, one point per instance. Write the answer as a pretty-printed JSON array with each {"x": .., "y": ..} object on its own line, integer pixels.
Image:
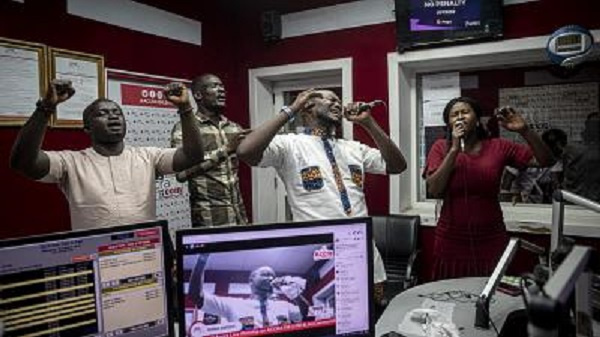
[{"x": 108, "y": 183}]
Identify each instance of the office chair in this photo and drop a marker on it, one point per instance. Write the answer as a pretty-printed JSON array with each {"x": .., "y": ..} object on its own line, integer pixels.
[{"x": 396, "y": 238}]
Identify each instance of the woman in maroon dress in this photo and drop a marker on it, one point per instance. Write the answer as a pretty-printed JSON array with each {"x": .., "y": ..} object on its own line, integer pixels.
[{"x": 465, "y": 170}]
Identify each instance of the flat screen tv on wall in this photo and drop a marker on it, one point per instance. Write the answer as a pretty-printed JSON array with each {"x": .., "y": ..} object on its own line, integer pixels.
[{"x": 427, "y": 23}]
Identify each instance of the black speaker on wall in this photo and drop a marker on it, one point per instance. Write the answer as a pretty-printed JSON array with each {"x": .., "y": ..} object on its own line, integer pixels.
[{"x": 270, "y": 23}]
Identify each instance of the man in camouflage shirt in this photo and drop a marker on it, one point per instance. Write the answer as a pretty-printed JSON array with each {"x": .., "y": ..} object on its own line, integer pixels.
[{"x": 215, "y": 196}]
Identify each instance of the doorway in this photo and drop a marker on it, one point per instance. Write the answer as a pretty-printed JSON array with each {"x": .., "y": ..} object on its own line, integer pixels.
[{"x": 270, "y": 89}]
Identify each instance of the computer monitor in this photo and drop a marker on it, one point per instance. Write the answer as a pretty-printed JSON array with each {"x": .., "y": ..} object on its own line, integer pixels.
[
  {"x": 290, "y": 279},
  {"x": 102, "y": 283}
]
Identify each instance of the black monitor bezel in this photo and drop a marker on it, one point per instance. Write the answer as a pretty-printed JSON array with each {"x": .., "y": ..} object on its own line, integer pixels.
[
  {"x": 266, "y": 227},
  {"x": 167, "y": 249},
  {"x": 407, "y": 40}
]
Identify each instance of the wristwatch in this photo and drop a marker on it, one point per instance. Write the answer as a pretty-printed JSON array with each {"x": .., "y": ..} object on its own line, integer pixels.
[{"x": 288, "y": 112}]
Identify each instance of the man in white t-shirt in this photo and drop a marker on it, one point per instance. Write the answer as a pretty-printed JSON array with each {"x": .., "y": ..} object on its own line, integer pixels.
[
  {"x": 108, "y": 183},
  {"x": 262, "y": 309},
  {"x": 323, "y": 175}
]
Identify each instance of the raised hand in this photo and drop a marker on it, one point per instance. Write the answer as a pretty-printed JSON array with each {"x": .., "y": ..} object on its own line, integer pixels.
[
  {"x": 458, "y": 132},
  {"x": 511, "y": 119},
  {"x": 177, "y": 94},
  {"x": 353, "y": 114},
  {"x": 58, "y": 91},
  {"x": 301, "y": 101}
]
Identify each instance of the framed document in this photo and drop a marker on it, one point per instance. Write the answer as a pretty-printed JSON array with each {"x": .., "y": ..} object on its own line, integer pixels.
[
  {"x": 86, "y": 72},
  {"x": 23, "y": 79}
]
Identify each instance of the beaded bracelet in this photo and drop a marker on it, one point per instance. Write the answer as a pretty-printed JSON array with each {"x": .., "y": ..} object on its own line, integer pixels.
[{"x": 288, "y": 112}]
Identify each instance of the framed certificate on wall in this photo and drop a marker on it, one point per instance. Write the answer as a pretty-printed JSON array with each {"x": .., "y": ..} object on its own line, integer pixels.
[
  {"x": 23, "y": 79},
  {"x": 86, "y": 72}
]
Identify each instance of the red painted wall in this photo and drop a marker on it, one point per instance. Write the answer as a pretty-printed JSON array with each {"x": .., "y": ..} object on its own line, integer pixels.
[
  {"x": 232, "y": 44},
  {"x": 31, "y": 208},
  {"x": 368, "y": 47}
]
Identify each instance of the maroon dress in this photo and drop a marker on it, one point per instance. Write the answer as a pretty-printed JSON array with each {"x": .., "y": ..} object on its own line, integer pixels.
[{"x": 470, "y": 235}]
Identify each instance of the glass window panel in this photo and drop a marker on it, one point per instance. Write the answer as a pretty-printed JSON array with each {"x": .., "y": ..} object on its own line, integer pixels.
[{"x": 561, "y": 106}]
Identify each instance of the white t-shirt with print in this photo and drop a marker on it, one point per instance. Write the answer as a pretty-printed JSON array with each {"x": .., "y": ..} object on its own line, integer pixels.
[
  {"x": 302, "y": 164},
  {"x": 248, "y": 309}
]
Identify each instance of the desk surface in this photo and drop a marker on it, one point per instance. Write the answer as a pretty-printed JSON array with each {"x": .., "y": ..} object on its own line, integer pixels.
[{"x": 465, "y": 293}]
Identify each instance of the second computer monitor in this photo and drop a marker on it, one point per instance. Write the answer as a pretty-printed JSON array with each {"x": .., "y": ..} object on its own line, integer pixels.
[
  {"x": 99, "y": 283},
  {"x": 308, "y": 279}
]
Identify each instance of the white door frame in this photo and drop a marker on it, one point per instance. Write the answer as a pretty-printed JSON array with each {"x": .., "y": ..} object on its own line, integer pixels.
[
  {"x": 262, "y": 82},
  {"x": 279, "y": 89},
  {"x": 403, "y": 70}
]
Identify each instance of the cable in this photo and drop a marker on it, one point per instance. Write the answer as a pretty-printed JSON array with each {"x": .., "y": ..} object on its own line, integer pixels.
[
  {"x": 524, "y": 291},
  {"x": 469, "y": 228},
  {"x": 525, "y": 288},
  {"x": 387, "y": 111}
]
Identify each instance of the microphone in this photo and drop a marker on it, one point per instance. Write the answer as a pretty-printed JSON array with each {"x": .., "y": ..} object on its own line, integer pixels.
[
  {"x": 370, "y": 105},
  {"x": 462, "y": 139}
]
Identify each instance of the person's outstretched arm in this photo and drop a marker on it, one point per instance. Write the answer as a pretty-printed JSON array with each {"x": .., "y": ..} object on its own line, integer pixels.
[
  {"x": 27, "y": 156},
  {"x": 211, "y": 158},
  {"x": 394, "y": 160},
  {"x": 192, "y": 151},
  {"x": 195, "y": 290},
  {"x": 252, "y": 147},
  {"x": 512, "y": 120}
]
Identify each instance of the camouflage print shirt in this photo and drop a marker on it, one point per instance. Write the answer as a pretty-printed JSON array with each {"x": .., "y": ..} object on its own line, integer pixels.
[{"x": 215, "y": 197}]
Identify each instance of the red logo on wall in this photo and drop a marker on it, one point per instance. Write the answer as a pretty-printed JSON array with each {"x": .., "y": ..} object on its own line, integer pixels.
[{"x": 138, "y": 95}]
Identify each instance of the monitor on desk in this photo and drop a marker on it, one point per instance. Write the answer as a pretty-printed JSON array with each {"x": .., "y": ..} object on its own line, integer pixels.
[
  {"x": 290, "y": 279},
  {"x": 102, "y": 283}
]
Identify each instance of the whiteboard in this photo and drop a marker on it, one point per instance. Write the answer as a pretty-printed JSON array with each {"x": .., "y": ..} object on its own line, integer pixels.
[{"x": 559, "y": 106}]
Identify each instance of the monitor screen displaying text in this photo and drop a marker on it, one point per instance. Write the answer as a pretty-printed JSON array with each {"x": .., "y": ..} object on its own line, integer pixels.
[{"x": 103, "y": 285}]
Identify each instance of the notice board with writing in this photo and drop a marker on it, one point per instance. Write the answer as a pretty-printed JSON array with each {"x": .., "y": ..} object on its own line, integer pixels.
[{"x": 559, "y": 106}]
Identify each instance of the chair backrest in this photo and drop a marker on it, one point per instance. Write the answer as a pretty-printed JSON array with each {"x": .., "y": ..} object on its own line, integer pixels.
[{"x": 396, "y": 235}]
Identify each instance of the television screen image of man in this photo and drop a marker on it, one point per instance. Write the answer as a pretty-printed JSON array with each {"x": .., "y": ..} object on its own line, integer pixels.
[{"x": 261, "y": 291}]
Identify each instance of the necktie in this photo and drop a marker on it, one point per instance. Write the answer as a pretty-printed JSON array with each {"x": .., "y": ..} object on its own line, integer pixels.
[
  {"x": 338, "y": 176},
  {"x": 263, "y": 312}
]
